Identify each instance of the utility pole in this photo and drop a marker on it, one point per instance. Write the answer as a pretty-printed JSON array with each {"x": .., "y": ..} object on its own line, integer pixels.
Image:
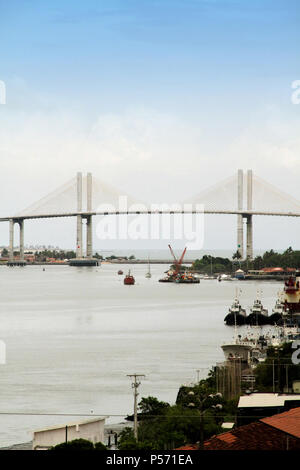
[{"x": 135, "y": 385}]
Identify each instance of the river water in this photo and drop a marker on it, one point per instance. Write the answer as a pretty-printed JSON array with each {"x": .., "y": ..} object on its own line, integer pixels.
[{"x": 73, "y": 334}]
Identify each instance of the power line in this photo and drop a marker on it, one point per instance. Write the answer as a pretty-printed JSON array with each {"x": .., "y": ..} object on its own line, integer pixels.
[{"x": 187, "y": 416}]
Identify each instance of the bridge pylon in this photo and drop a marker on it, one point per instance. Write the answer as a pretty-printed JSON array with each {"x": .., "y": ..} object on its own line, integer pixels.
[
  {"x": 249, "y": 253},
  {"x": 80, "y": 259},
  {"x": 12, "y": 261},
  {"x": 248, "y": 217},
  {"x": 240, "y": 231}
]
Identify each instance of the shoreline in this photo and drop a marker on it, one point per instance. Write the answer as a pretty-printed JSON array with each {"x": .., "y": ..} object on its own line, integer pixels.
[{"x": 109, "y": 430}]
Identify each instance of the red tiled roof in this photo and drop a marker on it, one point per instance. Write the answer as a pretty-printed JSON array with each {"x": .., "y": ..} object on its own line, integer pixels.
[
  {"x": 188, "y": 447},
  {"x": 227, "y": 437},
  {"x": 288, "y": 422},
  {"x": 265, "y": 434},
  {"x": 272, "y": 270},
  {"x": 278, "y": 432}
]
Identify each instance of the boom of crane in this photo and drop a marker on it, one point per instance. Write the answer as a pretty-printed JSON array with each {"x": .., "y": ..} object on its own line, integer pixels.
[{"x": 177, "y": 262}]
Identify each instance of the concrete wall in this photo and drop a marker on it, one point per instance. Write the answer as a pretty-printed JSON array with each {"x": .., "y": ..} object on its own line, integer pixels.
[{"x": 91, "y": 430}]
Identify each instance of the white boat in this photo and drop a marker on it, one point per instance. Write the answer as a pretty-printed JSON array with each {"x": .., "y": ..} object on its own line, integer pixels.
[
  {"x": 253, "y": 348},
  {"x": 278, "y": 309},
  {"x": 258, "y": 314},
  {"x": 258, "y": 308},
  {"x": 148, "y": 273},
  {"x": 224, "y": 277},
  {"x": 236, "y": 314}
]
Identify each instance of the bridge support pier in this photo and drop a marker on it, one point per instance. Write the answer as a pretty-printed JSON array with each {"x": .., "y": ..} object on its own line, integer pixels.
[
  {"x": 89, "y": 231},
  {"x": 11, "y": 239},
  {"x": 79, "y": 217},
  {"x": 249, "y": 238},
  {"x": 89, "y": 237},
  {"x": 79, "y": 237},
  {"x": 240, "y": 235},
  {"x": 240, "y": 231},
  {"x": 12, "y": 261},
  {"x": 21, "y": 225},
  {"x": 249, "y": 253}
]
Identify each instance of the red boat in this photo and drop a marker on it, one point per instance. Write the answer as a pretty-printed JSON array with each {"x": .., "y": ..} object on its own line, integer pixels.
[
  {"x": 120, "y": 272},
  {"x": 291, "y": 298},
  {"x": 129, "y": 279}
]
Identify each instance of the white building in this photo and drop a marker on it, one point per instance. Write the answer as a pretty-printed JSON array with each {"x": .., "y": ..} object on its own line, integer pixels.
[
  {"x": 260, "y": 405},
  {"x": 266, "y": 400},
  {"x": 91, "y": 430}
]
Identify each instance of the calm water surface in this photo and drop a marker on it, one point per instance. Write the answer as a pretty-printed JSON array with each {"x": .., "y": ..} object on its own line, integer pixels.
[{"x": 72, "y": 335}]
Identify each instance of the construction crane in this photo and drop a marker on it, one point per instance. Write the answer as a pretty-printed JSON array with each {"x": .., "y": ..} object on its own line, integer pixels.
[{"x": 177, "y": 263}]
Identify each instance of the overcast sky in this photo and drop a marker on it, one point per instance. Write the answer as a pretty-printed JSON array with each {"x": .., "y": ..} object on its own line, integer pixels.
[{"x": 160, "y": 98}]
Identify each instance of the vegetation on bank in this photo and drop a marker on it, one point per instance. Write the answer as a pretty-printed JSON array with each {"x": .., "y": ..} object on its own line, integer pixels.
[
  {"x": 163, "y": 426},
  {"x": 60, "y": 255},
  {"x": 78, "y": 444},
  {"x": 288, "y": 259},
  {"x": 270, "y": 259},
  {"x": 210, "y": 265}
]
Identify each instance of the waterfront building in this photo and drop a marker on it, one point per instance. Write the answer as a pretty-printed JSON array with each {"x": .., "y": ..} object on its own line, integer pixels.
[{"x": 91, "y": 430}]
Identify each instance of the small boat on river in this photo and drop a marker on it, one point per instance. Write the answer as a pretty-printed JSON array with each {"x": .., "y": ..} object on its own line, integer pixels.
[{"x": 129, "y": 279}]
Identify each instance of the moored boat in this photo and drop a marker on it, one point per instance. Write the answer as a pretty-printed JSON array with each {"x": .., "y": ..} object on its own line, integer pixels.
[
  {"x": 120, "y": 272},
  {"x": 166, "y": 279},
  {"x": 252, "y": 348},
  {"x": 224, "y": 277},
  {"x": 277, "y": 312},
  {"x": 291, "y": 298},
  {"x": 258, "y": 314},
  {"x": 187, "y": 278},
  {"x": 148, "y": 273},
  {"x": 236, "y": 314},
  {"x": 129, "y": 279}
]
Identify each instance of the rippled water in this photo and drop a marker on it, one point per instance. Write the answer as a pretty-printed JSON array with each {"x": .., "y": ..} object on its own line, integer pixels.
[{"x": 72, "y": 335}]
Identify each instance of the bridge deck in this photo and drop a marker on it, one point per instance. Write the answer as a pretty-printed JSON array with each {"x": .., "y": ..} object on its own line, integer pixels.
[{"x": 245, "y": 213}]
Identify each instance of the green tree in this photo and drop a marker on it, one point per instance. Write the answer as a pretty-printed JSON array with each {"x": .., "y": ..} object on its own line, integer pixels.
[
  {"x": 151, "y": 406},
  {"x": 100, "y": 446},
  {"x": 4, "y": 252},
  {"x": 126, "y": 440},
  {"x": 76, "y": 444}
]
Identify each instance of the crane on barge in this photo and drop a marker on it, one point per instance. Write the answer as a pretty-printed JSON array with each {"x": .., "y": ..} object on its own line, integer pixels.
[{"x": 175, "y": 275}]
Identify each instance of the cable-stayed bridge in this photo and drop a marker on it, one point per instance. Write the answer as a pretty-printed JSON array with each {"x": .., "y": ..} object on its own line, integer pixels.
[{"x": 243, "y": 194}]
